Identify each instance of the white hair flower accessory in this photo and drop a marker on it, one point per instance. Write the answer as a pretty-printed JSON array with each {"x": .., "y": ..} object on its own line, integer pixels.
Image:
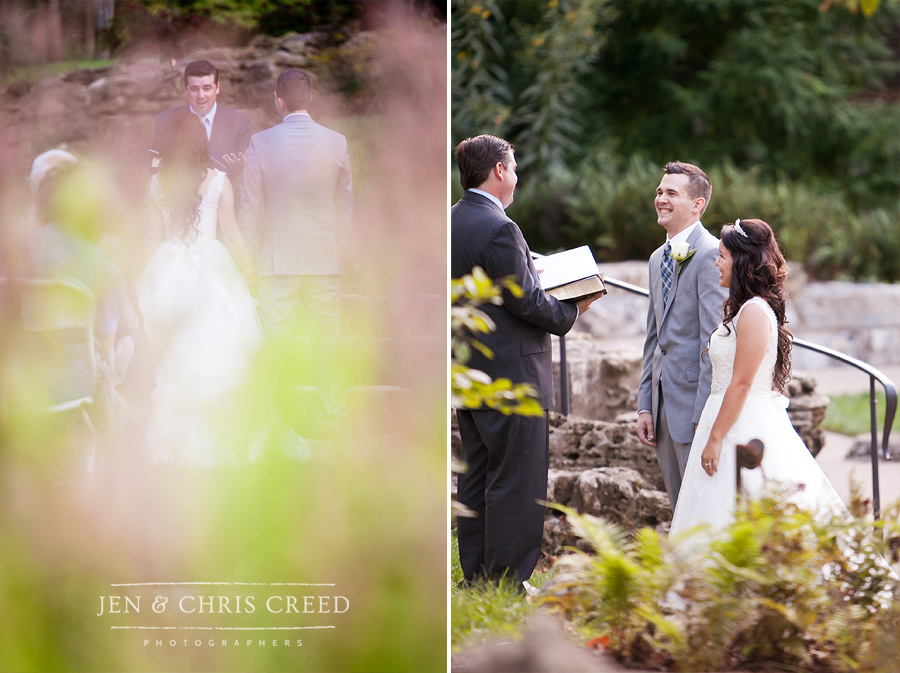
[
  {"x": 680, "y": 252},
  {"x": 738, "y": 229}
]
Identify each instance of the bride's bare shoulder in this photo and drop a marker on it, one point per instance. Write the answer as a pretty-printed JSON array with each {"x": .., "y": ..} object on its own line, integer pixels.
[{"x": 754, "y": 314}]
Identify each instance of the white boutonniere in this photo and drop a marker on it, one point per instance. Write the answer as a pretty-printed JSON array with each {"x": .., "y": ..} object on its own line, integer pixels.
[{"x": 681, "y": 253}]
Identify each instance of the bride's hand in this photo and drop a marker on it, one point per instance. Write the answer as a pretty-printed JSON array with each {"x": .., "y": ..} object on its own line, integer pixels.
[{"x": 709, "y": 459}]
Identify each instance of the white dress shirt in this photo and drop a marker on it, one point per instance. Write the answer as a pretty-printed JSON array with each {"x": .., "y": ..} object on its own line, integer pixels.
[
  {"x": 208, "y": 119},
  {"x": 490, "y": 196}
]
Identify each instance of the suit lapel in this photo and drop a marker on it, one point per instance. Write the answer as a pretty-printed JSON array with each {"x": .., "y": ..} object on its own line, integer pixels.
[
  {"x": 656, "y": 285},
  {"x": 699, "y": 230},
  {"x": 218, "y": 129}
]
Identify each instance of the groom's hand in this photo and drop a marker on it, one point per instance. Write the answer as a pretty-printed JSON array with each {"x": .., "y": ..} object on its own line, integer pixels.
[{"x": 645, "y": 429}]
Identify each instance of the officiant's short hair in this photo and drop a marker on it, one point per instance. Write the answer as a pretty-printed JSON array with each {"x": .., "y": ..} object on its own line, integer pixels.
[
  {"x": 200, "y": 69},
  {"x": 295, "y": 88},
  {"x": 698, "y": 181},
  {"x": 475, "y": 157}
]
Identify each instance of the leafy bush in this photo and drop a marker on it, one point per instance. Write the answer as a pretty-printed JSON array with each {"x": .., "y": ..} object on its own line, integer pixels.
[
  {"x": 175, "y": 29},
  {"x": 472, "y": 388},
  {"x": 608, "y": 205},
  {"x": 776, "y": 586},
  {"x": 792, "y": 102}
]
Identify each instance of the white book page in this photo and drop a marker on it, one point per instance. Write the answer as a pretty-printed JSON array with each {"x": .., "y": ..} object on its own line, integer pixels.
[{"x": 566, "y": 267}]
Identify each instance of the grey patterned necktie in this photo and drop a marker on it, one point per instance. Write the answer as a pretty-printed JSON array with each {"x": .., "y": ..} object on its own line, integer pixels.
[{"x": 667, "y": 268}]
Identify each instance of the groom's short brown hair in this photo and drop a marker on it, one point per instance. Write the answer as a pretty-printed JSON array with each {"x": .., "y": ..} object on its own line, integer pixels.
[
  {"x": 476, "y": 156},
  {"x": 698, "y": 181},
  {"x": 295, "y": 88}
]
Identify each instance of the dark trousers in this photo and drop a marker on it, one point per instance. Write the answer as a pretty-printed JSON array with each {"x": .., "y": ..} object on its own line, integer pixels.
[{"x": 507, "y": 458}]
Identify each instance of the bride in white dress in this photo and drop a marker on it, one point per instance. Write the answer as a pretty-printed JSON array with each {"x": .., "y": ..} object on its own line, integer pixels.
[
  {"x": 750, "y": 355},
  {"x": 198, "y": 313}
]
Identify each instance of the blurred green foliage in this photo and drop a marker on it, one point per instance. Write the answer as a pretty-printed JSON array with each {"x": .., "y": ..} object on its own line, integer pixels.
[
  {"x": 37, "y": 72},
  {"x": 472, "y": 388},
  {"x": 360, "y": 514},
  {"x": 175, "y": 27},
  {"x": 777, "y": 586},
  {"x": 367, "y": 511},
  {"x": 790, "y": 106}
]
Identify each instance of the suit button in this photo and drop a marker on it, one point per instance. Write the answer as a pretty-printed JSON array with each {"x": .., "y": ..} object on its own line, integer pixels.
[{"x": 664, "y": 352}]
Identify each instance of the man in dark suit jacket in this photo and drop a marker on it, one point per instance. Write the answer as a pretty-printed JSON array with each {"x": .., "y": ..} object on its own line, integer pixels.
[
  {"x": 507, "y": 455},
  {"x": 228, "y": 131}
]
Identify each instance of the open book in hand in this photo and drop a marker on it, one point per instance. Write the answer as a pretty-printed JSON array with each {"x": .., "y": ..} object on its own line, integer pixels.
[{"x": 570, "y": 275}]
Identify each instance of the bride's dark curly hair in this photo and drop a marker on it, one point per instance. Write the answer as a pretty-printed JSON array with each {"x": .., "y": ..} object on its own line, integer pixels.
[
  {"x": 183, "y": 160},
  {"x": 758, "y": 269}
]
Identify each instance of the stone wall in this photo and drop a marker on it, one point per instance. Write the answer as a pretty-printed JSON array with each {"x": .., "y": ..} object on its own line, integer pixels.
[
  {"x": 859, "y": 319},
  {"x": 603, "y": 377},
  {"x": 586, "y": 444},
  {"x": 604, "y": 380}
]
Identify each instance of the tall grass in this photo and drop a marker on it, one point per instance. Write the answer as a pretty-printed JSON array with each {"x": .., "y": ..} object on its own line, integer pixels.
[{"x": 484, "y": 611}]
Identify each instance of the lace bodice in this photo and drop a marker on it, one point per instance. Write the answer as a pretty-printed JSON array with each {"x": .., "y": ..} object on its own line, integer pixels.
[
  {"x": 723, "y": 346},
  {"x": 209, "y": 208}
]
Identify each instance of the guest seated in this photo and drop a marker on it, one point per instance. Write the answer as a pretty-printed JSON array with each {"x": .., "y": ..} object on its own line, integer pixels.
[{"x": 66, "y": 242}]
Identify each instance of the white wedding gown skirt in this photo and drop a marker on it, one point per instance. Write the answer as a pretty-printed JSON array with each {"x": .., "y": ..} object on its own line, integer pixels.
[
  {"x": 204, "y": 331},
  {"x": 787, "y": 465}
]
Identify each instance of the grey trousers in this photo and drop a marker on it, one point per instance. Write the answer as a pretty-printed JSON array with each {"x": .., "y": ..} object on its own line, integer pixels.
[
  {"x": 672, "y": 455},
  {"x": 316, "y": 300}
]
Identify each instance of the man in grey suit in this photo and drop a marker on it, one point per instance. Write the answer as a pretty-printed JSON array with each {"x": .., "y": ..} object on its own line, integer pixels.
[
  {"x": 227, "y": 130},
  {"x": 685, "y": 307},
  {"x": 298, "y": 203},
  {"x": 507, "y": 455}
]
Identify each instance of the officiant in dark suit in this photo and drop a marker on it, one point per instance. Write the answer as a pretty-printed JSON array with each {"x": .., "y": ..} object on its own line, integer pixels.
[
  {"x": 227, "y": 130},
  {"x": 507, "y": 455}
]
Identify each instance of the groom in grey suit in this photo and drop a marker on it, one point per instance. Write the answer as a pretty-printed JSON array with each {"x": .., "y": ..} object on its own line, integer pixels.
[
  {"x": 298, "y": 202},
  {"x": 685, "y": 307}
]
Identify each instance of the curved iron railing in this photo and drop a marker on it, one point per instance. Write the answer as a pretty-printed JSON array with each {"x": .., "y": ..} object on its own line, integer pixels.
[{"x": 890, "y": 391}]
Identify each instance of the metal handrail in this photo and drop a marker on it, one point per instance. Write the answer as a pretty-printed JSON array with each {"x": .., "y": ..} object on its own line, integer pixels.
[{"x": 890, "y": 391}]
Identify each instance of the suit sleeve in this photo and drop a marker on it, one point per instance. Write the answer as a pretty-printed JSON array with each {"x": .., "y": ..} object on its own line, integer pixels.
[
  {"x": 508, "y": 255},
  {"x": 343, "y": 195},
  {"x": 645, "y": 391},
  {"x": 711, "y": 297},
  {"x": 251, "y": 201},
  {"x": 241, "y": 126},
  {"x": 159, "y": 128},
  {"x": 242, "y": 141}
]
